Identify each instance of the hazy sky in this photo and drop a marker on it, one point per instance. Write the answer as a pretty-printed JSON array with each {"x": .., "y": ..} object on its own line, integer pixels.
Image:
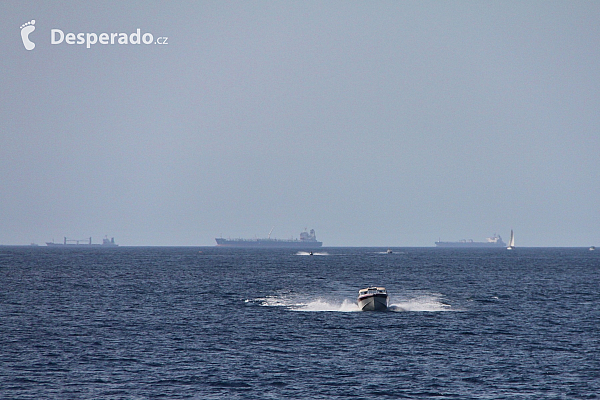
[{"x": 386, "y": 123}]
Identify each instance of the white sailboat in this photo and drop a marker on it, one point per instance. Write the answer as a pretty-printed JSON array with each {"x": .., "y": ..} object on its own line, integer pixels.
[{"x": 511, "y": 242}]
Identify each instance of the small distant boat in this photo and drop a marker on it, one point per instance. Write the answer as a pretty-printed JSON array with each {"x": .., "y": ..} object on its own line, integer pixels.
[
  {"x": 310, "y": 254},
  {"x": 592, "y": 248},
  {"x": 373, "y": 299},
  {"x": 389, "y": 251},
  {"x": 511, "y": 242}
]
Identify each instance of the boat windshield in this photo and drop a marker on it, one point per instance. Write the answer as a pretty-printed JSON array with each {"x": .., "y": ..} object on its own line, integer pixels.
[{"x": 372, "y": 291}]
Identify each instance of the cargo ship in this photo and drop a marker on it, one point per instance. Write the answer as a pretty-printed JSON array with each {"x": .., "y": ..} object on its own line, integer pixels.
[
  {"x": 307, "y": 240},
  {"x": 84, "y": 243},
  {"x": 494, "y": 241}
]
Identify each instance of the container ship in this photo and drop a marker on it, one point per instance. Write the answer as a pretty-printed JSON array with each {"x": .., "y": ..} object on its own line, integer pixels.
[
  {"x": 307, "y": 240},
  {"x": 84, "y": 243},
  {"x": 494, "y": 241}
]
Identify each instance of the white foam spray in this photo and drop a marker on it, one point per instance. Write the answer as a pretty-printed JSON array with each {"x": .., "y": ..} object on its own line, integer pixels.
[
  {"x": 422, "y": 303},
  {"x": 324, "y": 305},
  {"x": 305, "y": 253}
]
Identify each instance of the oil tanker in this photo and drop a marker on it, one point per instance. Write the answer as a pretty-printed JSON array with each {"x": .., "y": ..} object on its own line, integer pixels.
[
  {"x": 308, "y": 240},
  {"x": 494, "y": 241}
]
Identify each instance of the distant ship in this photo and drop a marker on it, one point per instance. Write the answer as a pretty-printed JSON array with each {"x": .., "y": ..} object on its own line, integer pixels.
[
  {"x": 494, "y": 241},
  {"x": 84, "y": 243},
  {"x": 307, "y": 240}
]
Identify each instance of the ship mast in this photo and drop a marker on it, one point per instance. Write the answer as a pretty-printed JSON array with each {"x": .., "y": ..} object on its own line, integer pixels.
[{"x": 269, "y": 237}]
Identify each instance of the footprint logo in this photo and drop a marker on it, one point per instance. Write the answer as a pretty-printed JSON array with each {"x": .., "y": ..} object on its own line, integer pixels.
[{"x": 26, "y": 29}]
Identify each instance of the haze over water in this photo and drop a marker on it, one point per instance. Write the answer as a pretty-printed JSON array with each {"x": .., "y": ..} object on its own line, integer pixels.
[{"x": 375, "y": 123}]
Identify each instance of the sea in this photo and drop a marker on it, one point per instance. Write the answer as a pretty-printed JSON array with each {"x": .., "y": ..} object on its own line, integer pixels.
[{"x": 217, "y": 323}]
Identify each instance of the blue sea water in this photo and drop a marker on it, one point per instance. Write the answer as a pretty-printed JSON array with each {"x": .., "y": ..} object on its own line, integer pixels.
[{"x": 214, "y": 323}]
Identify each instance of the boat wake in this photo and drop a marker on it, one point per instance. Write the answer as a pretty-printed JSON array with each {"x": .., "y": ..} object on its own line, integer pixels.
[
  {"x": 425, "y": 303},
  {"x": 314, "y": 253},
  {"x": 299, "y": 305},
  {"x": 324, "y": 305}
]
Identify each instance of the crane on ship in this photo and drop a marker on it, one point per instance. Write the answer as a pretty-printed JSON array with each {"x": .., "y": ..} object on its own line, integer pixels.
[{"x": 76, "y": 241}]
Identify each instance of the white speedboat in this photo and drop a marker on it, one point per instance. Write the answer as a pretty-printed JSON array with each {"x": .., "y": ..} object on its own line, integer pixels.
[{"x": 373, "y": 299}]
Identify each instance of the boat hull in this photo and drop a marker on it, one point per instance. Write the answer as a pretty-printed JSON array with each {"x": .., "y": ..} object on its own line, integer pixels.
[
  {"x": 80, "y": 245},
  {"x": 373, "y": 302},
  {"x": 268, "y": 243},
  {"x": 471, "y": 244}
]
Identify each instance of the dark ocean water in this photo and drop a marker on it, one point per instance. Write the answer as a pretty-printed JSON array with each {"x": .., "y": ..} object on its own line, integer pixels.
[{"x": 176, "y": 323}]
